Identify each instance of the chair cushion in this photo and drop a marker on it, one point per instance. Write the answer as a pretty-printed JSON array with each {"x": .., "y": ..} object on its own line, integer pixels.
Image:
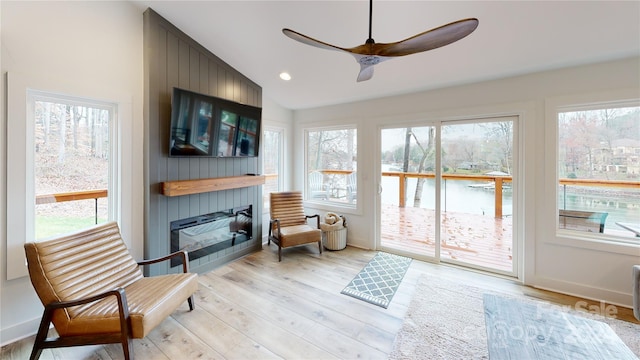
[
  {"x": 298, "y": 235},
  {"x": 150, "y": 299}
]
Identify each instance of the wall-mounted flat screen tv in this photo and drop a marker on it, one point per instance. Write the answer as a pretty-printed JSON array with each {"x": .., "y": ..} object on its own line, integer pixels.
[{"x": 208, "y": 126}]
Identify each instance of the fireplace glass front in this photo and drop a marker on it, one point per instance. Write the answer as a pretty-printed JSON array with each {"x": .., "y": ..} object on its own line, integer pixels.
[{"x": 206, "y": 234}]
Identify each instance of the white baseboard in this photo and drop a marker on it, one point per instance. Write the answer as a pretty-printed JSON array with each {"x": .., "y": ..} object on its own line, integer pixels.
[
  {"x": 583, "y": 291},
  {"x": 18, "y": 332},
  {"x": 358, "y": 246}
]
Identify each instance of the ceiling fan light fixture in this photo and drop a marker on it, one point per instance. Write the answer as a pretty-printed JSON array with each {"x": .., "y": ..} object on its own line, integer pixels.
[{"x": 370, "y": 60}]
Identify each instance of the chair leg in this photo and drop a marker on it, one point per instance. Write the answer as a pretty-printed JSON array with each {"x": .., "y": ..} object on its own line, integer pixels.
[
  {"x": 127, "y": 348},
  {"x": 41, "y": 336},
  {"x": 192, "y": 305},
  {"x": 35, "y": 352},
  {"x": 279, "y": 253},
  {"x": 320, "y": 246}
]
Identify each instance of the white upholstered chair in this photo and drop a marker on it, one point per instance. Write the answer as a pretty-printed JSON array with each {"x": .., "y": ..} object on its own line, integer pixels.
[
  {"x": 352, "y": 187},
  {"x": 317, "y": 188}
]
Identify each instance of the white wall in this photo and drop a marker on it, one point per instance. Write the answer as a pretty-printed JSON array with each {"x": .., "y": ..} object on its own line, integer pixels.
[
  {"x": 588, "y": 268},
  {"x": 85, "y": 49},
  {"x": 278, "y": 117}
]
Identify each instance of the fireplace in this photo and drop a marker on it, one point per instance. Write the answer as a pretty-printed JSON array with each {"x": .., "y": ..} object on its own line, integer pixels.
[{"x": 209, "y": 233}]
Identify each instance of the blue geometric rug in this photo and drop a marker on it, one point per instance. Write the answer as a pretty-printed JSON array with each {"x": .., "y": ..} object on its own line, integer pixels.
[{"x": 378, "y": 281}]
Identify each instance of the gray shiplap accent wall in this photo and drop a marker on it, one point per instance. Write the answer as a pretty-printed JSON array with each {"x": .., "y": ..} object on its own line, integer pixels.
[{"x": 173, "y": 59}]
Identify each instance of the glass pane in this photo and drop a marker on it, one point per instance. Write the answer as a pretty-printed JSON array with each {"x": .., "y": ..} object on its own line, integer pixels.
[
  {"x": 227, "y": 133},
  {"x": 332, "y": 165},
  {"x": 408, "y": 190},
  {"x": 599, "y": 171},
  {"x": 271, "y": 159},
  {"x": 203, "y": 127},
  {"x": 71, "y": 166},
  {"x": 247, "y": 136},
  {"x": 476, "y": 223}
]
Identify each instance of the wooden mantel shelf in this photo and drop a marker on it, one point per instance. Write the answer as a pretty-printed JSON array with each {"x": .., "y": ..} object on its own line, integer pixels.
[{"x": 188, "y": 187}]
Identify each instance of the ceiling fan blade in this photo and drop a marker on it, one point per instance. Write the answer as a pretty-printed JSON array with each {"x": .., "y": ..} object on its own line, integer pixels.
[
  {"x": 428, "y": 40},
  {"x": 311, "y": 41},
  {"x": 366, "y": 72}
]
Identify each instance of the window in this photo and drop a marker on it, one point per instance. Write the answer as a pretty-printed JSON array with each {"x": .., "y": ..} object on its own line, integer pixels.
[
  {"x": 331, "y": 165},
  {"x": 271, "y": 163},
  {"x": 599, "y": 170},
  {"x": 26, "y": 131},
  {"x": 72, "y": 154}
]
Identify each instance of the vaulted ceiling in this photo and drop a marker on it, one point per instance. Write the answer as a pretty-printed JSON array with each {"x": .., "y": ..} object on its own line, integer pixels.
[{"x": 513, "y": 38}]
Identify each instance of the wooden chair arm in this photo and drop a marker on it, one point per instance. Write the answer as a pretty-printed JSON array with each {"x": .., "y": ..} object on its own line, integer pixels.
[
  {"x": 118, "y": 293},
  {"x": 123, "y": 314},
  {"x": 274, "y": 221},
  {"x": 317, "y": 219},
  {"x": 183, "y": 254}
]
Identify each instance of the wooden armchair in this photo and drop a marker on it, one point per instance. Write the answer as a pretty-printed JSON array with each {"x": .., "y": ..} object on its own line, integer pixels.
[
  {"x": 94, "y": 292},
  {"x": 288, "y": 226}
]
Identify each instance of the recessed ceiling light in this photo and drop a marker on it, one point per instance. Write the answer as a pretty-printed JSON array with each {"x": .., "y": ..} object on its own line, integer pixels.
[{"x": 285, "y": 76}]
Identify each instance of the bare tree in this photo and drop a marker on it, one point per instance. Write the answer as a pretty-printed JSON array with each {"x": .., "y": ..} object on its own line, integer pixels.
[
  {"x": 460, "y": 151},
  {"x": 62, "y": 128},
  {"x": 318, "y": 160},
  {"x": 501, "y": 133},
  {"x": 426, "y": 152},
  {"x": 47, "y": 121}
]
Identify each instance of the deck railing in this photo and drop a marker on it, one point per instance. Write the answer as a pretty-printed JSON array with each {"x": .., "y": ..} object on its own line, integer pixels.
[
  {"x": 73, "y": 196},
  {"x": 496, "y": 180},
  {"x": 596, "y": 183}
]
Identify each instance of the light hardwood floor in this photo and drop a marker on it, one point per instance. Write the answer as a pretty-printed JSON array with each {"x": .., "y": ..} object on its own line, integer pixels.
[{"x": 257, "y": 308}]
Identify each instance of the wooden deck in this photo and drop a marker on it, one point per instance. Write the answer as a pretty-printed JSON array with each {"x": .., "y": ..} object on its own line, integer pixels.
[{"x": 478, "y": 240}]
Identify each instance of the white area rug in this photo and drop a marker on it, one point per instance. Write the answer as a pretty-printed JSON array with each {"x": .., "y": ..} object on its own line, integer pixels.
[{"x": 445, "y": 320}]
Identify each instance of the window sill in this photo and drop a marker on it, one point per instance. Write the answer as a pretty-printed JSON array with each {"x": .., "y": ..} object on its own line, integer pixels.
[{"x": 598, "y": 242}]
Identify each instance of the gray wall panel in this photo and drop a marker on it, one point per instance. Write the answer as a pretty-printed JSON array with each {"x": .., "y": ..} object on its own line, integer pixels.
[
  {"x": 173, "y": 59},
  {"x": 203, "y": 79}
]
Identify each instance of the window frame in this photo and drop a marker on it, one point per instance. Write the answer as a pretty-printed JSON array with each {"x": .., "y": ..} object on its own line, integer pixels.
[
  {"x": 112, "y": 183},
  {"x": 345, "y": 207},
  {"x": 554, "y": 106},
  {"x": 20, "y": 164}
]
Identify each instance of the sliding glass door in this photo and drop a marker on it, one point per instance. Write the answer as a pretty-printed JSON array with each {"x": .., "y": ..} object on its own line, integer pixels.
[
  {"x": 407, "y": 199},
  {"x": 447, "y": 192}
]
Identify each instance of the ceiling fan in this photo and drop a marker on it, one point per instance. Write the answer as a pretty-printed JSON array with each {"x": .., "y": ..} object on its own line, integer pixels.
[{"x": 371, "y": 53}]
